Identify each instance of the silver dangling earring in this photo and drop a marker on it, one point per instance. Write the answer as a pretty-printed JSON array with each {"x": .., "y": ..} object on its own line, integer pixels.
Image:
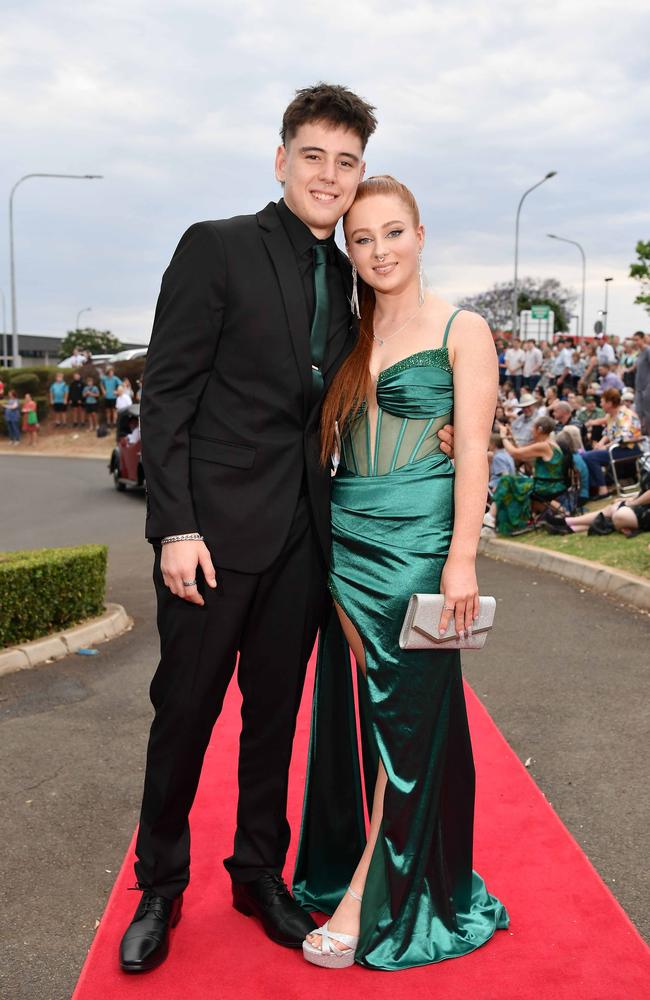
[
  {"x": 420, "y": 279},
  {"x": 354, "y": 301}
]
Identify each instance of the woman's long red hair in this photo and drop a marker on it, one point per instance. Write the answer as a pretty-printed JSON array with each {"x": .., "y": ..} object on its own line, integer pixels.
[{"x": 351, "y": 383}]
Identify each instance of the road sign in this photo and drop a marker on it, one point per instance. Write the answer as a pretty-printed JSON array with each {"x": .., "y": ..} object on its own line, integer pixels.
[{"x": 533, "y": 326}]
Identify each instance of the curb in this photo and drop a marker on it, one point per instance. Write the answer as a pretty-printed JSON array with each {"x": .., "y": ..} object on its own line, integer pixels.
[
  {"x": 616, "y": 583},
  {"x": 112, "y": 623}
]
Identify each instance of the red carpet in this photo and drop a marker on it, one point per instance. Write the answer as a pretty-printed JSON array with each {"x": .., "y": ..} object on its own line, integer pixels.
[{"x": 569, "y": 939}]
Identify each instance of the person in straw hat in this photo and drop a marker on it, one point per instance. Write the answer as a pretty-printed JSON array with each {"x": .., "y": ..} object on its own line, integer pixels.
[{"x": 522, "y": 425}]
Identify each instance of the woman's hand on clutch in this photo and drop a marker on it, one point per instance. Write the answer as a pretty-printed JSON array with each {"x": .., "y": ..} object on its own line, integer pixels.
[
  {"x": 179, "y": 563},
  {"x": 459, "y": 587}
]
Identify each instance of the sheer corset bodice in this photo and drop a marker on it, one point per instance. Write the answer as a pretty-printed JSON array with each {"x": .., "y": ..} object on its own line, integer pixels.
[{"x": 414, "y": 400}]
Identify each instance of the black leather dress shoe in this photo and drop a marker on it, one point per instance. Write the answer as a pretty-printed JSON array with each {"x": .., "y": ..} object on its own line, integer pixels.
[
  {"x": 146, "y": 941},
  {"x": 268, "y": 898}
]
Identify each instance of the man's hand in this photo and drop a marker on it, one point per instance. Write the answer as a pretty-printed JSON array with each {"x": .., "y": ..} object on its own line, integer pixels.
[
  {"x": 179, "y": 562},
  {"x": 446, "y": 435}
]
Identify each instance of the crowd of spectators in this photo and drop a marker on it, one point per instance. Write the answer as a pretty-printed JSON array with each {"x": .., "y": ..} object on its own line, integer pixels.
[
  {"x": 568, "y": 415},
  {"x": 91, "y": 402}
]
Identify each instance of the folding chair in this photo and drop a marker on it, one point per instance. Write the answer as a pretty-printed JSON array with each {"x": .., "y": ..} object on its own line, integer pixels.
[{"x": 627, "y": 467}]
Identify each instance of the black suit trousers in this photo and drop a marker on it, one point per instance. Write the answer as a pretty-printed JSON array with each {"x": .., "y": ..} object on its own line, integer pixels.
[{"x": 271, "y": 619}]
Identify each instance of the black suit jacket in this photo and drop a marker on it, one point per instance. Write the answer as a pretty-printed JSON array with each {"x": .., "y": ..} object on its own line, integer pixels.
[{"x": 228, "y": 428}]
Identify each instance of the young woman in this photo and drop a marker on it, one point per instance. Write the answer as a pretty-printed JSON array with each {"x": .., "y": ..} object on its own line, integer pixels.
[{"x": 403, "y": 521}]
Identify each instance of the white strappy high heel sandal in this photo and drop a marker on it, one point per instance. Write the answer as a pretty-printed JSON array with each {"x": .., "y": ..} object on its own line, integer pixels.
[{"x": 328, "y": 956}]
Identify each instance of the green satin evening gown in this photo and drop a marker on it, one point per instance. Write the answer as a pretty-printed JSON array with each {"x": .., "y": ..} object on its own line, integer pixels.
[{"x": 392, "y": 520}]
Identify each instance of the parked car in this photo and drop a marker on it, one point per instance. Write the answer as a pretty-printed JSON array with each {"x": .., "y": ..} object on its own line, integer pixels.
[
  {"x": 125, "y": 465},
  {"x": 131, "y": 354}
]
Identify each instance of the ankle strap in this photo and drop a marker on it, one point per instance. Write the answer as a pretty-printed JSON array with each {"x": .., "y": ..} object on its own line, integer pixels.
[{"x": 355, "y": 895}]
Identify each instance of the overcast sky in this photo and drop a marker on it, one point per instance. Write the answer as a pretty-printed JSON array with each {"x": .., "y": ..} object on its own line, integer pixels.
[{"x": 178, "y": 106}]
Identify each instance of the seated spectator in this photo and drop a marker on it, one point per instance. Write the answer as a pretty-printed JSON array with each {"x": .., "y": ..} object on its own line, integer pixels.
[
  {"x": 570, "y": 439},
  {"x": 501, "y": 462},
  {"x": 629, "y": 516},
  {"x": 522, "y": 425},
  {"x": 590, "y": 410},
  {"x": 517, "y": 496},
  {"x": 609, "y": 379},
  {"x": 539, "y": 395},
  {"x": 622, "y": 427},
  {"x": 562, "y": 414}
]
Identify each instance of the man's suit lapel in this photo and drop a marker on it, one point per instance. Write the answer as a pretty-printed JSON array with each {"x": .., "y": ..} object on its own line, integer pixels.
[{"x": 284, "y": 262}]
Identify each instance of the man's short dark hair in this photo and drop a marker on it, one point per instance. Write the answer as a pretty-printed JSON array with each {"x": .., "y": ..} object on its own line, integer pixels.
[{"x": 331, "y": 103}]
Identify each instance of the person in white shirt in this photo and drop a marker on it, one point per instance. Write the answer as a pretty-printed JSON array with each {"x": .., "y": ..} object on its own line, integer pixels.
[
  {"x": 606, "y": 355},
  {"x": 515, "y": 358},
  {"x": 78, "y": 358},
  {"x": 532, "y": 364}
]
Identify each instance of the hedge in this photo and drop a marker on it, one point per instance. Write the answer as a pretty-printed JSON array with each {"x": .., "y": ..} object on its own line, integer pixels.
[
  {"x": 46, "y": 590},
  {"x": 44, "y": 373}
]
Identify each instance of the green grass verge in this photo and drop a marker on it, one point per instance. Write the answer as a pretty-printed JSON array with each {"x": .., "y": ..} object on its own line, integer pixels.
[{"x": 629, "y": 554}]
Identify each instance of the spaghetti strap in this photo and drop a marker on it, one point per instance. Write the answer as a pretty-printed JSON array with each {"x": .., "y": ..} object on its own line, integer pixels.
[{"x": 449, "y": 322}]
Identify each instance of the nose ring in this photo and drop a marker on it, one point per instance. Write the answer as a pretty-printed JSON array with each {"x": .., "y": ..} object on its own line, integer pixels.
[{"x": 380, "y": 259}]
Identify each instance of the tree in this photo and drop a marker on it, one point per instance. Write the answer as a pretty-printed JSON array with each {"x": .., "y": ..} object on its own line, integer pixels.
[
  {"x": 495, "y": 305},
  {"x": 89, "y": 339},
  {"x": 640, "y": 271}
]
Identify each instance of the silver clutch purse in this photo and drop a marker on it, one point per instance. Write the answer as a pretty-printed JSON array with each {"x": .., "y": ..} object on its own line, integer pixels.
[{"x": 420, "y": 628}]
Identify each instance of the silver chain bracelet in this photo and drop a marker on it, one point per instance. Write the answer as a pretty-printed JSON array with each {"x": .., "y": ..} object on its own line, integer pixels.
[{"x": 193, "y": 536}]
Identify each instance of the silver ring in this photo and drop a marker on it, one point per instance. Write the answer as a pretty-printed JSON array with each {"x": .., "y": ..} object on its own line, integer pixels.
[
  {"x": 448, "y": 607},
  {"x": 189, "y": 583}
]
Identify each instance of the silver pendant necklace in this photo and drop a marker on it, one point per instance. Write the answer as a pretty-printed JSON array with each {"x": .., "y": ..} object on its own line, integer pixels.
[{"x": 384, "y": 340}]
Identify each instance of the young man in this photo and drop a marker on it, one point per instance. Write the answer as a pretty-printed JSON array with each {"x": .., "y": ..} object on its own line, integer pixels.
[{"x": 252, "y": 322}]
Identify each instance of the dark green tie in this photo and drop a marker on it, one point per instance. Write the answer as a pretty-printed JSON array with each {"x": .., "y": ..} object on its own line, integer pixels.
[{"x": 320, "y": 324}]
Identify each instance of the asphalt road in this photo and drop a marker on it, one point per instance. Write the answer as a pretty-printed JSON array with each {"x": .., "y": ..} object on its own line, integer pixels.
[{"x": 566, "y": 680}]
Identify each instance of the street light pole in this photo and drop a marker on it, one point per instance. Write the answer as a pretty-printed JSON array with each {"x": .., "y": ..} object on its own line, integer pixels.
[
  {"x": 80, "y": 313},
  {"x": 12, "y": 264},
  {"x": 4, "y": 328},
  {"x": 574, "y": 243},
  {"x": 515, "y": 316},
  {"x": 607, "y": 281}
]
